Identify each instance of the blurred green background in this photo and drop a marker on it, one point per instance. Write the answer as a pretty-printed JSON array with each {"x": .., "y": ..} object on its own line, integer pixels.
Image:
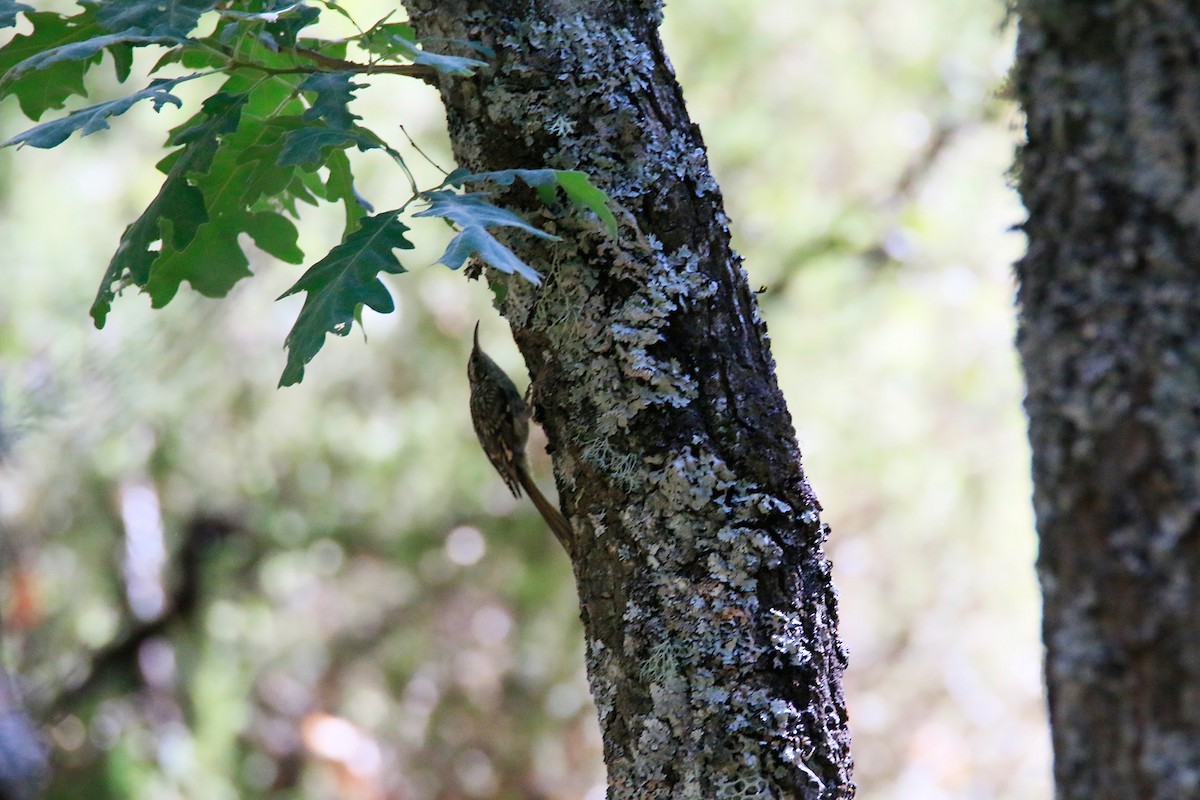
[{"x": 383, "y": 620}]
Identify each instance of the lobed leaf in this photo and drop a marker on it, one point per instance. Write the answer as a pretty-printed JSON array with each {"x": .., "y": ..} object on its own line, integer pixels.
[
  {"x": 253, "y": 151},
  {"x": 246, "y": 167},
  {"x": 48, "y": 88},
  {"x": 168, "y": 18},
  {"x": 84, "y": 50},
  {"x": 95, "y": 118},
  {"x": 477, "y": 241},
  {"x": 474, "y": 215},
  {"x": 178, "y": 210},
  {"x": 244, "y": 189},
  {"x": 339, "y": 284},
  {"x": 577, "y": 186},
  {"x": 334, "y": 91},
  {"x": 309, "y": 145},
  {"x": 473, "y": 210},
  {"x": 213, "y": 261}
]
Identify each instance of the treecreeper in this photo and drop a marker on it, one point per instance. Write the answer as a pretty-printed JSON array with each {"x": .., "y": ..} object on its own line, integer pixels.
[{"x": 501, "y": 419}]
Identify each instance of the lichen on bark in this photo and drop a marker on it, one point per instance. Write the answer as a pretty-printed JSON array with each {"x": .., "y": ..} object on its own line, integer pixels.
[
  {"x": 1109, "y": 302},
  {"x": 705, "y": 594}
]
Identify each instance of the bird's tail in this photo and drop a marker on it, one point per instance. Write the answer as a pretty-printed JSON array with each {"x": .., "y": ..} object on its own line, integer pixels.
[{"x": 554, "y": 518}]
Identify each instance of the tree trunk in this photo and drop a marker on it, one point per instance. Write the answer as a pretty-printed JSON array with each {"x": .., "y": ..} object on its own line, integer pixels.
[
  {"x": 706, "y": 598},
  {"x": 1110, "y": 339}
]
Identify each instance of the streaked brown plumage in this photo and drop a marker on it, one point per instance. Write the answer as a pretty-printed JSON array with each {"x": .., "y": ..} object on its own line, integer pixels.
[{"x": 501, "y": 419}]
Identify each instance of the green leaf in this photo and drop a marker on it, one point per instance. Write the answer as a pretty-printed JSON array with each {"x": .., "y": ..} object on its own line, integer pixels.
[
  {"x": 48, "y": 88},
  {"x": 308, "y": 145},
  {"x": 346, "y": 278},
  {"x": 330, "y": 48},
  {"x": 378, "y": 38},
  {"x": 95, "y": 118},
  {"x": 474, "y": 216},
  {"x": 82, "y": 51},
  {"x": 577, "y": 186},
  {"x": 275, "y": 234},
  {"x": 200, "y": 55},
  {"x": 333, "y": 90},
  {"x": 248, "y": 167},
  {"x": 278, "y": 27},
  {"x": 175, "y": 18},
  {"x": 178, "y": 210},
  {"x": 9, "y": 10},
  {"x": 340, "y": 187},
  {"x": 213, "y": 261},
  {"x": 585, "y": 194},
  {"x": 122, "y": 56},
  {"x": 265, "y": 96},
  {"x": 244, "y": 188}
]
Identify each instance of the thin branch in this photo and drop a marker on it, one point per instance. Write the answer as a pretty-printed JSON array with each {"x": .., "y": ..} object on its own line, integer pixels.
[
  {"x": 325, "y": 62},
  {"x": 426, "y": 74},
  {"x": 422, "y": 152}
]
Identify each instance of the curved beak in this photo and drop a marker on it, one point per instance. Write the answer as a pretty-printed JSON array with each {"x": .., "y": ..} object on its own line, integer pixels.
[{"x": 476, "y": 335}]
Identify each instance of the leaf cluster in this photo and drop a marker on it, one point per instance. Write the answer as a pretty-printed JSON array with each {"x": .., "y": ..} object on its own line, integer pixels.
[{"x": 271, "y": 137}]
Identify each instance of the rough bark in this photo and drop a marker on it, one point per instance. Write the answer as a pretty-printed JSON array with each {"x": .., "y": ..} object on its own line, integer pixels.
[
  {"x": 706, "y": 598},
  {"x": 1110, "y": 338}
]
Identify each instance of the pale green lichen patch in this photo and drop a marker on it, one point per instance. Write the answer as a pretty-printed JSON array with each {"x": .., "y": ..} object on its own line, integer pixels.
[
  {"x": 690, "y": 480},
  {"x": 602, "y": 675}
]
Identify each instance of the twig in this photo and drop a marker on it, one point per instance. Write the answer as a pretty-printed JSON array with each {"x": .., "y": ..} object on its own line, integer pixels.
[{"x": 426, "y": 74}]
